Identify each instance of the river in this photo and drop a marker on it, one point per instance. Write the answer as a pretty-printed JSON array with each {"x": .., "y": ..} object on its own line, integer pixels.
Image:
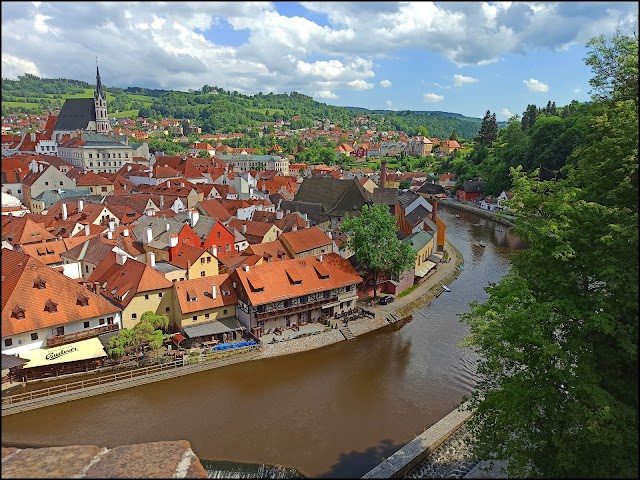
[{"x": 333, "y": 412}]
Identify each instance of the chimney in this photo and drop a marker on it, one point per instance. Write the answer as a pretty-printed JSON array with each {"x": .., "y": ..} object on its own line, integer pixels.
[
  {"x": 125, "y": 232},
  {"x": 320, "y": 258},
  {"x": 279, "y": 214},
  {"x": 213, "y": 250},
  {"x": 112, "y": 225},
  {"x": 168, "y": 226},
  {"x": 434, "y": 212},
  {"x": 87, "y": 229},
  {"x": 147, "y": 235},
  {"x": 151, "y": 259},
  {"x": 121, "y": 258},
  {"x": 294, "y": 228},
  {"x": 128, "y": 168},
  {"x": 40, "y": 167},
  {"x": 80, "y": 205},
  {"x": 168, "y": 183},
  {"x": 383, "y": 173},
  {"x": 244, "y": 228},
  {"x": 245, "y": 268},
  {"x": 161, "y": 201},
  {"x": 329, "y": 234},
  {"x": 34, "y": 166},
  {"x": 64, "y": 211},
  {"x": 110, "y": 235},
  {"x": 96, "y": 287},
  {"x": 173, "y": 240},
  {"x": 213, "y": 292}
]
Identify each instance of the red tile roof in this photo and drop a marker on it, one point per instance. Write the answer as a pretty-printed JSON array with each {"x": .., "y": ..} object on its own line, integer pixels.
[
  {"x": 20, "y": 293},
  {"x": 305, "y": 240},
  {"x": 277, "y": 278},
  {"x": 202, "y": 289}
]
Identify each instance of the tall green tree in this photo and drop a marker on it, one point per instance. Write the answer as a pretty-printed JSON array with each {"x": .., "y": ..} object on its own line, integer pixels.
[
  {"x": 488, "y": 130},
  {"x": 372, "y": 236},
  {"x": 529, "y": 117},
  {"x": 557, "y": 337}
]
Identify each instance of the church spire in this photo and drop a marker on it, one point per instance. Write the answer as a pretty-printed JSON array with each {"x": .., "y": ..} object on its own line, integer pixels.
[{"x": 99, "y": 91}]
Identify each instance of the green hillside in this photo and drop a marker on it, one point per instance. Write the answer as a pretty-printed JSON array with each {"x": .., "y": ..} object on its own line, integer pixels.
[{"x": 215, "y": 109}]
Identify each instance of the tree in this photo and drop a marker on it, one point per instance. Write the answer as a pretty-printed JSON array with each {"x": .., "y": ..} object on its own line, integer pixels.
[
  {"x": 404, "y": 185},
  {"x": 614, "y": 62},
  {"x": 529, "y": 117},
  {"x": 372, "y": 236},
  {"x": 422, "y": 130},
  {"x": 204, "y": 154},
  {"x": 557, "y": 337},
  {"x": 148, "y": 331},
  {"x": 453, "y": 135},
  {"x": 488, "y": 130}
]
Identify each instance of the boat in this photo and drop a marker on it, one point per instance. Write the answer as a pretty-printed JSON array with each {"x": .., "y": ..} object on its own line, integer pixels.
[
  {"x": 479, "y": 224},
  {"x": 481, "y": 244},
  {"x": 457, "y": 216},
  {"x": 446, "y": 289}
]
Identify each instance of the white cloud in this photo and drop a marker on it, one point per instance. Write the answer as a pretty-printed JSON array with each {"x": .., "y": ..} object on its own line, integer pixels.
[
  {"x": 390, "y": 105},
  {"x": 432, "y": 97},
  {"x": 536, "y": 86},
  {"x": 13, "y": 67},
  {"x": 325, "y": 94},
  {"x": 577, "y": 90},
  {"x": 360, "y": 85},
  {"x": 506, "y": 113},
  {"x": 460, "y": 80},
  {"x": 253, "y": 45}
]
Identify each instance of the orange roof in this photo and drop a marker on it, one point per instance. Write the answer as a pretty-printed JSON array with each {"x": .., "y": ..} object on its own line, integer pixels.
[
  {"x": 122, "y": 282},
  {"x": 21, "y": 230},
  {"x": 270, "y": 251},
  {"x": 305, "y": 240},
  {"x": 275, "y": 281},
  {"x": 186, "y": 256},
  {"x": 213, "y": 208},
  {"x": 22, "y": 276},
  {"x": 202, "y": 289},
  {"x": 46, "y": 252}
]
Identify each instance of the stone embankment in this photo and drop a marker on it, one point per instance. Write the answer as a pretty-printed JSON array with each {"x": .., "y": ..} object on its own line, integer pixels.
[
  {"x": 503, "y": 218},
  {"x": 173, "y": 459}
]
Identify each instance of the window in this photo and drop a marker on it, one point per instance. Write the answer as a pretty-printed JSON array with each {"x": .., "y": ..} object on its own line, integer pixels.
[
  {"x": 86, "y": 268},
  {"x": 104, "y": 189},
  {"x": 61, "y": 183},
  {"x": 8, "y": 342},
  {"x": 227, "y": 247},
  {"x": 202, "y": 274},
  {"x": 195, "y": 318},
  {"x": 224, "y": 312},
  {"x": 19, "y": 191},
  {"x": 206, "y": 315},
  {"x": 146, "y": 297},
  {"x": 167, "y": 310},
  {"x": 101, "y": 321},
  {"x": 160, "y": 295},
  {"x": 34, "y": 336},
  {"x": 134, "y": 316},
  {"x": 202, "y": 261},
  {"x": 86, "y": 324},
  {"x": 46, "y": 183},
  {"x": 218, "y": 234},
  {"x": 208, "y": 259},
  {"x": 91, "y": 155}
]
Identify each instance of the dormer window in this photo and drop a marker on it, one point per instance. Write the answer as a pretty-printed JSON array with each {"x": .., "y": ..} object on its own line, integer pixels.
[
  {"x": 192, "y": 296},
  {"x": 83, "y": 301},
  {"x": 40, "y": 283},
  {"x": 51, "y": 306},
  {"x": 18, "y": 312}
]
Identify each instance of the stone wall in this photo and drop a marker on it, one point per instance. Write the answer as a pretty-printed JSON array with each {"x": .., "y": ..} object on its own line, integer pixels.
[{"x": 173, "y": 459}]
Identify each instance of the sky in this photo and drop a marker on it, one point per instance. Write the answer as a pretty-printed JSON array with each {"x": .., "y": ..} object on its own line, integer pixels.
[{"x": 460, "y": 57}]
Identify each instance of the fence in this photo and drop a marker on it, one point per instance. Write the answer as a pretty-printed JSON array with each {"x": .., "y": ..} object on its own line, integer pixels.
[{"x": 109, "y": 383}]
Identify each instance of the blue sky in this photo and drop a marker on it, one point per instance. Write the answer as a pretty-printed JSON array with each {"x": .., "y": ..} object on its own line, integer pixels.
[{"x": 461, "y": 57}]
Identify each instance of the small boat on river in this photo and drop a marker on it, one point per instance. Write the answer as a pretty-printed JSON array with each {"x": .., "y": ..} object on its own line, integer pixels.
[
  {"x": 480, "y": 244},
  {"x": 446, "y": 289}
]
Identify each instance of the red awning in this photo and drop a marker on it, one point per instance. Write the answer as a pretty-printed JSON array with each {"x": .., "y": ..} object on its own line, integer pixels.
[{"x": 177, "y": 338}]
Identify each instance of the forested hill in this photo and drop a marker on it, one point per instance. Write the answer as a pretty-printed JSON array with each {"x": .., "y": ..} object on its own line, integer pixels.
[{"x": 215, "y": 109}]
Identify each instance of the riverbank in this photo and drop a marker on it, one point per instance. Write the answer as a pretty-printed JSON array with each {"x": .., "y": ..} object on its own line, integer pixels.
[
  {"x": 501, "y": 217},
  {"x": 402, "y": 307}
]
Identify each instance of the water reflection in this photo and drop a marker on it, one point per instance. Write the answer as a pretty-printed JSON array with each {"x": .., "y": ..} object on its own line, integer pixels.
[{"x": 331, "y": 412}]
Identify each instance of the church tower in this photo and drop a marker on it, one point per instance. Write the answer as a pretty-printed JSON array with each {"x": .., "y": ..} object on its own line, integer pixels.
[{"x": 100, "y": 100}]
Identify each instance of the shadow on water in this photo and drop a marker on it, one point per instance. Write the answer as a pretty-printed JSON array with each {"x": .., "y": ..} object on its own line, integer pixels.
[{"x": 362, "y": 462}]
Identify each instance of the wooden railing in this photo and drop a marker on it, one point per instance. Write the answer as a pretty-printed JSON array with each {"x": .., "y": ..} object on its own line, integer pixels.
[
  {"x": 82, "y": 335},
  {"x": 293, "y": 309}
]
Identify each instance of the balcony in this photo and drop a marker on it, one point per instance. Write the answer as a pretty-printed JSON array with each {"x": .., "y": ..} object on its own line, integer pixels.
[
  {"x": 83, "y": 335},
  {"x": 294, "y": 309}
]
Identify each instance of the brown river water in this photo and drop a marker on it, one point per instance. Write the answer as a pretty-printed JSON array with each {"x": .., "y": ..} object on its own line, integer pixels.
[{"x": 332, "y": 412}]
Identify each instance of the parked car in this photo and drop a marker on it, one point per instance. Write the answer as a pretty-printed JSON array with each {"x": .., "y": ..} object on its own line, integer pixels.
[{"x": 387, "y": 299}]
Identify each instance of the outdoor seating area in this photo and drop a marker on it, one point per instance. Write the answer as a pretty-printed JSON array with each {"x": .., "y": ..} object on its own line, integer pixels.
[{"x": 289, "y": 333}]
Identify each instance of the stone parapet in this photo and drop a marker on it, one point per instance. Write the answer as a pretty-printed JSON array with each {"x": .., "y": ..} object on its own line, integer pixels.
[{"x": 173, "y": 459}]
